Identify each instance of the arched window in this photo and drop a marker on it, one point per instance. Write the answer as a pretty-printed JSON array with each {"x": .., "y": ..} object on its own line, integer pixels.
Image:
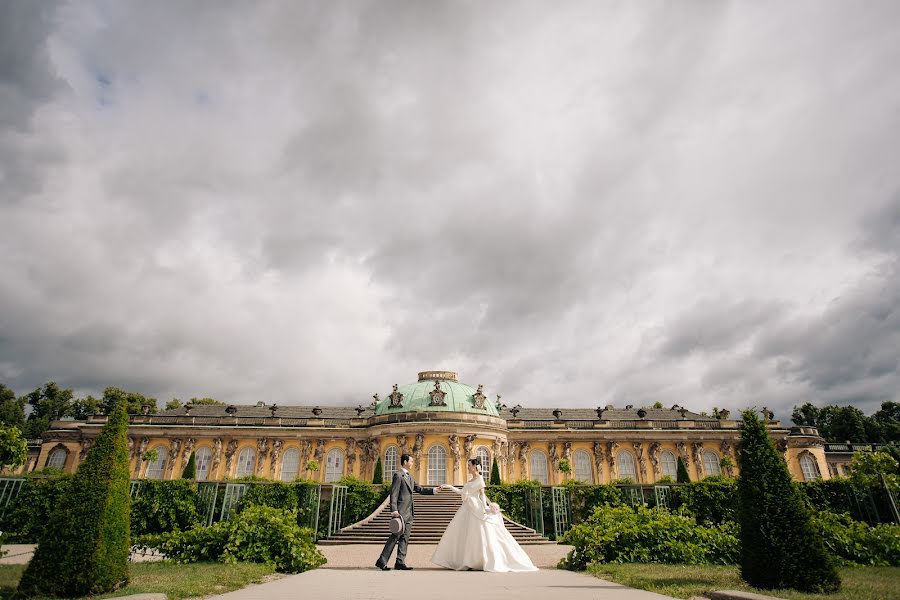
[
  {"x": 809, "y": 467},
  {"x": 156, "y": 468},
  {"x": 334, "y": 465},
  {"x": 437, "y": 465},
  {"x": 246, "y": 463},
  {"x": 203, "y": 457},
  {"x": 57, "y": 459},
  {"x": 484, "y": 457},
  {"x": 625, "y": 465},
  {"x": 391, "y": 463},
  {"x": 711, "y": 463},
  {"x": 290, "y": 464},
  {"x": 539, "y": 467},
  {"x": 668, "y": 464},
  {"x": 583, "y": 470}
]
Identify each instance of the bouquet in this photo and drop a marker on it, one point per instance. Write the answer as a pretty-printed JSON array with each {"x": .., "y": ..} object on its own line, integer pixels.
[{"x": 493, "y": 509}]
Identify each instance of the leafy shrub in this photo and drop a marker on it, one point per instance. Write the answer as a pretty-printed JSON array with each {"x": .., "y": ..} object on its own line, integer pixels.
[
  {"x": 28, "y": 514},
  {"x": 708, "y": 501},
  {"x": 294, "y": 497},
  {"x": 259, "y": 534},
  {"x": 163, "y": 506},
  {"x": 585, "y": 498},
  {"x": 858, "y": 543},
  {"x": 362, "y": 498},
  {"x": 513, "y": 498},
  {"x": 647, "y": 535}
]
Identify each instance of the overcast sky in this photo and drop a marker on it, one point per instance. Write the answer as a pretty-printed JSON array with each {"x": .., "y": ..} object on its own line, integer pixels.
[{"x": 575, "y": 204}]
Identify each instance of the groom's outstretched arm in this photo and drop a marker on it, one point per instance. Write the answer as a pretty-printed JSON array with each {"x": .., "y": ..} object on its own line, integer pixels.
[
  {"x": 396, "y": 482},
  {"x": 420, "y": 490}
]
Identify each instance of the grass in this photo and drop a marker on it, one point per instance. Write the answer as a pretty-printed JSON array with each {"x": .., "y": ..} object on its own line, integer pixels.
[
  {"x": 685, "y": 581},
  {"x": 176, "y": 581}
]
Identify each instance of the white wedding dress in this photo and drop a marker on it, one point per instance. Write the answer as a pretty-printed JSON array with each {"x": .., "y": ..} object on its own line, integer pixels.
[{"x": 478, "y": 540}]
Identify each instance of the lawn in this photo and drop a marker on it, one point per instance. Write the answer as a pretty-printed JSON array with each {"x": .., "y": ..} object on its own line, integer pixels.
[
  {"x": 684, "y": 581},
  {"x": 177, "y": 581}
]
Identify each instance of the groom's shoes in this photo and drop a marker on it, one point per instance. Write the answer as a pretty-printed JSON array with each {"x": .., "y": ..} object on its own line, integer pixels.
[
  {"x": 383, "y": 567},
  {"x": 401, "y": 567}
]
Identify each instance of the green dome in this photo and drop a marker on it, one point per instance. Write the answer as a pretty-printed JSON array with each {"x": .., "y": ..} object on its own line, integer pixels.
[{"x": 417, "y": 397}]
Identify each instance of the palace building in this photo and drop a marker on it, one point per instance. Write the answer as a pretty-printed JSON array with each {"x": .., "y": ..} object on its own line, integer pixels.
[{"x": 439, "y": 421}]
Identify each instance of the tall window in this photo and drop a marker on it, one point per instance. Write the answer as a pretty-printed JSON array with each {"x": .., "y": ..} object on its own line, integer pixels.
[
  {"x": 625, "y": 464},
  {"x": 391, "y": 460},
  {"x": 809, "y": 467},
  {"x": 203, "y": 457},
  {"x": 155, "y": 469},
  {"x": 668, "y": 464},
  {"x": 334, "y": 465},
  {"x": 583, "y": 470},
  {"x": 539, "y": 467},
  {"x": 711, "y": 463},
  {"x": 437, "y": 465},
  {"x": 57, "y": 459},
  {"x": 246, "y": 463},
  {"x": 484, "y": 457},
  {"x": 290, "y": 464}
]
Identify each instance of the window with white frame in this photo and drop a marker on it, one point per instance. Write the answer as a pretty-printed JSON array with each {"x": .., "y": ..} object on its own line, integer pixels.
[
  {"x": 155, "y": 469},
  {"x": 625, "y": 466},
  {"x": 246, "y": 463},
  {"x": 583, "y": 470},
  {"x": 391, "y": 463},
  {"x": 437, "y": 465},
  {"x": 290, "y": 464},
  {"x": 539, "y": 467},
  {"x": 809, "y": 467},
  {"x": 57, "y": 459},
  {"x": 202, "y": 458},
  {"x": 334, "y": 465},
  {"x": 484, "y": 458},
  {"x": 711, "y": 463},
  {"x": 668, "y": 464}
]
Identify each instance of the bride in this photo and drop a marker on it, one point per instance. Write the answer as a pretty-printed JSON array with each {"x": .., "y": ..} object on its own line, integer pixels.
[{"x": 476, "y": 537}]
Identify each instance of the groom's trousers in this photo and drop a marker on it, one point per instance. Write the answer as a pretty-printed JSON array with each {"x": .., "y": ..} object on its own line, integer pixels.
[{"x": 401, "y": 540}]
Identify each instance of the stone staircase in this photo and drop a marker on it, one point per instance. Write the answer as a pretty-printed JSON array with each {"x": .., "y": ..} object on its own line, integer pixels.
[{"x": 433, "y": 514}]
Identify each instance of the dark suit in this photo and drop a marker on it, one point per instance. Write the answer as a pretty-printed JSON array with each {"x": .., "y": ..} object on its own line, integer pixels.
[{"x": 402, "y": 488}]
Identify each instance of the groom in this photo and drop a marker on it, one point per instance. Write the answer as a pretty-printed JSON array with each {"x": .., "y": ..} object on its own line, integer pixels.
[{"x": 402, "y": 487}]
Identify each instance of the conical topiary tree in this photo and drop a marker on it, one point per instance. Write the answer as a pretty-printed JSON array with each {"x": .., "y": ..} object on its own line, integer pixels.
[
  {"x": 495, "y": 473},
  {"x": 378, "y": 476},
  {"x": 779, "y": 546},
  {"x": 682, "y": 474},
  {"x": 86, "y": 545},
  {"x": 190, "y": 469}
]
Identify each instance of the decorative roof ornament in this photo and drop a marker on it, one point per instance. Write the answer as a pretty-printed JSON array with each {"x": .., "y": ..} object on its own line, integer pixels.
[
  {"x": 187, "y": 408},
  {"x": 396, "y": 398},
  {"x": 273, "y": 409},
  {"x": 376, "y": 399},
  {"x": 767, "y": 414},
  {"x": 317, "y": 411},
  {"x": 231, "y": 409},
  {"x": 359, "y": 410},
  {"x": 437, "y": 396},
  {"x": 500, "y": 405},
  {"x": 479, "y": 398},
  {"x": 557, "y": 413},
  {"x": 600, "y": 411},
  {"x": 515, "y": 410},
  {"x": 683, "y": 412},
  {"x": 642, "y": 413}
]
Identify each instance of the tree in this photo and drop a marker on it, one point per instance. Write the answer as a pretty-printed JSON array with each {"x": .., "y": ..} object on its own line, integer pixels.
[
  {"x": 888, "y": 422},
  {"x": 133, "y": 401},
  {"x": 657, "y": 404},
  {"x": 849, "y": 424},
  {"x": 378, "y": 476},
  {"x": 565, "y": 467},
  {"x": 173, "y": 404},
  {"x": 779, "y": 546},
  {"x": 190, "y": 470},
  {"x": 85, "y": 407},
  {"x": 495, "y": 473},
  {"x": 12, "y": 409},
  {"x": 85, "y": 548},
  {"x": 48, "y": 403},
  {"x": 867, "y": 468},
  {"x": 13, "y": 449},
  {"x": 206, "y": 402},
  {"x": 806, "y": 415},
  {"x": 682, "y": 473}
]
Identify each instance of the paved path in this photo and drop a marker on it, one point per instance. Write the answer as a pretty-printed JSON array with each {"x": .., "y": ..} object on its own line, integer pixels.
[{"x": 363, "y": 556}]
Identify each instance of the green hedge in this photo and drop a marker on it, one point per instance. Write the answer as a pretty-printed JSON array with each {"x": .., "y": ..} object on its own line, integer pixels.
[
  {"x": 163, "y": 506},
  {"x": 707, "y": 501},
  {"x": 854, "y": 542},
  {"x": 512, "y": 498},
  {"x": 27, "y": 516}
]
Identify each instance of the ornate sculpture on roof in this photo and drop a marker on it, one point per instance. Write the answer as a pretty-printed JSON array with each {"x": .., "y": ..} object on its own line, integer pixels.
[
  {"x": 437, "y": 395},
  {"x": 375, "y": 399},
  {"x": 599, "y": 410},
  {"x": 479, "y": 398},
  {"x": 557, "y": 414},
  {"x": 500, "y": 405},
  {"x": 359, "y": 410},
  {"x": 515, "y": 410},
  {"x": 767, "y": 414},
  {"x": 316, "y": 411},
  {"x": 396, "y": 398},
  {"x": 273, "y": 409}
]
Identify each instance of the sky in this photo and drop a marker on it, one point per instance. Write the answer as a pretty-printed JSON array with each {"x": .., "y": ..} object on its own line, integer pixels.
[{"x": 575, "y": 204}]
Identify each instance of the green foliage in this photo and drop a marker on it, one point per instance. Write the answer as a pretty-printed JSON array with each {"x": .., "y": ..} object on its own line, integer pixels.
[
  {"x": 28, "y": 515},
  {"x": 622, "y": 481},
  {"x": 150, "y": 456},
  {"x": 709, "y": 501},
  {"x": 849, "y": 424},
  {"x": 779, "y": 546},
  {"x": 857, "y": 543},
  {"x": 378, "y": 476},
  {"x": 867, "y": 468},
  {"x": 585, "y": 498},
  {"x": 495, "y": 473},
  {"x": 682, "y": 473},
  {"x": 665, "y": 479},
  {"x": 13, "y": 448},
  {"x": 643, "y": 535},
  {"x": 205, "y": 402},
  {"x": 260, "y": 534},
  {"x": 190, "y": 469},
  {"x": 85, "y": 547},
  {"x": 163, "y": 506},
  {"x": 362, "y": 498},
  {"x": 113, "y": 396},
  {"x": 85, "y": 407},
  {"x": 565, "y": 466},
  {"x": 12, "y": 409},
  {"x": 48, "y": 403},
  {"x": 312, "y": 465},
  {"x": 173, "y": 404},
  {"x": 512, "y": 498}
]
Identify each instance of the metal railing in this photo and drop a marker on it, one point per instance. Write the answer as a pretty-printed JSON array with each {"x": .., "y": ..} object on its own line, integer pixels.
[
  {"x": 9, "y": 489},
  {"x": 336, "y": 511}
]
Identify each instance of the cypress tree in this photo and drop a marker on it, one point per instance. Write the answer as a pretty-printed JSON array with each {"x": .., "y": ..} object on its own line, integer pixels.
[
  {"x": 682, "y": 476},
  {"x": 779, "y": 546},
  {"x": 378, "y": 477},
  {"x": 85, "y": 547},
  {"x": 190, "y": 469},
  {"x": 495, "y": 473}
]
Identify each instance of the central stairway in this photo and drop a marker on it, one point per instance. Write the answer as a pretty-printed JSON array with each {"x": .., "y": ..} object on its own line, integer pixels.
[{"x": 433, "y": 514}]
